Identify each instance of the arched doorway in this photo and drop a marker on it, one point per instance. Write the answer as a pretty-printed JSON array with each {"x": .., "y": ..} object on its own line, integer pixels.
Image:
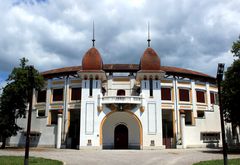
[
  {"x": 116, "y": 118},
  {"x": 121, "y": 137}
]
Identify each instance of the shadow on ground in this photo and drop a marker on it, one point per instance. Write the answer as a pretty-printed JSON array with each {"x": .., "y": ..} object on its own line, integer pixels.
[{"x": 232, "y": 151}]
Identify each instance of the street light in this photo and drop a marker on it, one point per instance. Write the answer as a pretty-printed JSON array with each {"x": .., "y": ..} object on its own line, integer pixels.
[{"x": 220, "y": 71}]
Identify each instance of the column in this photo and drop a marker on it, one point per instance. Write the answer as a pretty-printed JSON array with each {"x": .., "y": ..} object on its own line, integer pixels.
[
  {"x": 183, "y": 131},
  {"x": 34, "y": 100},
  {"x": 132, "y": 80},
  {"x": 59, "y": 128},
  {"x": 65, "y": 108},
  {"x": 176, "y": 110}
]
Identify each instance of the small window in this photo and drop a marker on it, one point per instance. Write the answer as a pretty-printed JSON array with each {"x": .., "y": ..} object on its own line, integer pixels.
[
  {"x": 184, "y": 95},
  {"x": 91, "y": 87},
  {"x": 200, "y": 114},
  {"x": 40, "y": 113},
  {"x": 210, "y": 136},
  {"x": 76, "y": 94},
  {"x": 57, "y": 94},
  {"x": 151, "y": 87},
  {"x": 121, "y": 92},
  {"x": 166, "y": 93},
  {"x": 200, "y": 96},
  {"x": 214, "y": 98},
  {"x": 54, "y": 117},
  {"x": 41, "y": 96}
]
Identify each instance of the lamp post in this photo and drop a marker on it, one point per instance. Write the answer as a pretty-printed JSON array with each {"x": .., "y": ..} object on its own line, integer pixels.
[
  {"x": 220, "y": 71},
  {"x": 30, "y": 95}
]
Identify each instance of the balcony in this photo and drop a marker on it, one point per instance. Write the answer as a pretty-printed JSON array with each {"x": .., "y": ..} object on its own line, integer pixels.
[{"x": 121, "y": 100}]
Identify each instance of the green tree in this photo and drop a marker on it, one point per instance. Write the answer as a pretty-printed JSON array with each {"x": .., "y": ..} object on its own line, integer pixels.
[
  {"x": 236, "y": 48},
  {"x": 231, "y": 88},
  {"x": 15, "y": 97}
]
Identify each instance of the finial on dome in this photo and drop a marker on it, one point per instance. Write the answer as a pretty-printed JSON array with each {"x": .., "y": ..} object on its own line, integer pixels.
[
  {"x": 149, "y": 40},
  {"x": 93, "y": 40}
]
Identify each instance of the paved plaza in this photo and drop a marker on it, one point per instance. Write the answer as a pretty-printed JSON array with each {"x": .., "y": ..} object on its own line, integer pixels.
[{"x": 123, "y": 157}]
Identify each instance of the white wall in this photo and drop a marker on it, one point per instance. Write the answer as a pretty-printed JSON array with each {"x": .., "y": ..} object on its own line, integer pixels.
[
  {"x": 211, "y": 123},
  {"x": 47, "y": 133}
]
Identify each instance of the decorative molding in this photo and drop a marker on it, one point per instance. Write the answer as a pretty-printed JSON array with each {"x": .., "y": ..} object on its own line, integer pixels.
[
  {"x": 89, "y": 118},
  {"x": 152, "y": 118}
]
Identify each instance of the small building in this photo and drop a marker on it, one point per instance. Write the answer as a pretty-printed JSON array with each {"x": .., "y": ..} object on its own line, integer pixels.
[{"x": 124, "y": 106}]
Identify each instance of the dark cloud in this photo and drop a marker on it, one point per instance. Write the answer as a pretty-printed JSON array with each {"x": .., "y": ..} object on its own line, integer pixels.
[{"x": 51, "y": 34}]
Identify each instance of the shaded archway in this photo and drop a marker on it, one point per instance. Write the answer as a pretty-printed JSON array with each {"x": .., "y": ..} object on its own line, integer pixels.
[
  {"x": 121, "y": 137},
  {"x": 115, "y": 118}
]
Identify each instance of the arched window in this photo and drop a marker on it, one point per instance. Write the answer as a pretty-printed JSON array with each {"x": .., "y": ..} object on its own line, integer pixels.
[{"x": 121, "y": 92}]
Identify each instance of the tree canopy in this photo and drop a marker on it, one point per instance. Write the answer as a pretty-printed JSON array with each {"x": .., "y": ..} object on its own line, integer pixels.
[
  {"x": 236, "y": 48},
  {"x": 15, "y": 97},
  {"x": 231, "y": 88}
]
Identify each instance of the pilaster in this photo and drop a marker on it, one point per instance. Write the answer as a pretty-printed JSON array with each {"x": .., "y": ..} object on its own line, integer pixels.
[
  {"x": 176, "y": 110},
  {"x": 208, "y": 98},
  {"x": 65, "y": 108},
  {"x": 194, "y": 98},
  {"x": 48, "y": 97}
]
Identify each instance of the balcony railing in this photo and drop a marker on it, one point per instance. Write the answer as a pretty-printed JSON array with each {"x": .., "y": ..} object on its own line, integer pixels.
[{"x": 121, "y": 99}]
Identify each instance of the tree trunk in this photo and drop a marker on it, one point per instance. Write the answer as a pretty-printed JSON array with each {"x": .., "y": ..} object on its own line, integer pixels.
[{"x": 4, "y": 139}]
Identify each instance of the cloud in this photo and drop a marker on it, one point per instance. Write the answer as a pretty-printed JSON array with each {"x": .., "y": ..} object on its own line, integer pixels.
[{"x": 54, "y": 34}]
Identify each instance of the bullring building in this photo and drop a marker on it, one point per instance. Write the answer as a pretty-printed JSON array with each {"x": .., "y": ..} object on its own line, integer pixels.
[{"x": 123, "y": 106}]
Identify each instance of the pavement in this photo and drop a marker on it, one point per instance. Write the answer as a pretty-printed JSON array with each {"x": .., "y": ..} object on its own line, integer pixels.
[{"x": 123, "y": 157}]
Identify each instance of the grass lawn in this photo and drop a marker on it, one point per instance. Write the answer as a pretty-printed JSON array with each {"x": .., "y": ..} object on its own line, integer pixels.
[
  {"x": 19, "y": 160},
  {"x": 219, "y": 162}
]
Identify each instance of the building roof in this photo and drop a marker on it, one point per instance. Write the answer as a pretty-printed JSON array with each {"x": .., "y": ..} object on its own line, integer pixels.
[
  {"x": 149, "y": 60},
  {"x": 92, "y": 60},
  {"x": 175, "y": 71}
]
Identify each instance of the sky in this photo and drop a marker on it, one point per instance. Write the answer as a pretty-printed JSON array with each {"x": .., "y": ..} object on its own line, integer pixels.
[{"x": 190, "y": 34}]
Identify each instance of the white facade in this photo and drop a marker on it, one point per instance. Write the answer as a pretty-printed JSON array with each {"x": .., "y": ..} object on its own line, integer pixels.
[
  {"x": 141, "y": 114},
  {"x": 124, "y": 106}
]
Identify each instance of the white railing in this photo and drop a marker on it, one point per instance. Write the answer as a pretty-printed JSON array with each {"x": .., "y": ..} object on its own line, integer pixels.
[{"x": 121, "y": 99}]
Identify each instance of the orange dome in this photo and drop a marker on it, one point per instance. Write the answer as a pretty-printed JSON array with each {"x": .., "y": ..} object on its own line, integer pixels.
[
  {"x": 92, "y": 60},
  {"x": 150, "y": 60}
]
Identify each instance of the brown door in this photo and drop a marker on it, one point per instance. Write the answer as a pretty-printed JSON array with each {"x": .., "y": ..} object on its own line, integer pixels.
[{"x": 121, "y": 137}]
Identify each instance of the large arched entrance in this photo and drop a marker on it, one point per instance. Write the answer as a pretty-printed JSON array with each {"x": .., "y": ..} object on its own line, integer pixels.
[
  {"x": 121, "y": 130},
  {"x": 121, "y": 137}
]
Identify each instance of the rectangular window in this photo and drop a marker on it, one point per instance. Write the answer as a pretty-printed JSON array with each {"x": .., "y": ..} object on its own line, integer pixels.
[
  {"x": 184, "y": 95},
  {"x": 54, "y": 116},
  {"x": 91, "y": 87},
  {"x": 188, "y": 117},
  {"x": 200, "y": 114},
  {"x": 200, "y": 96},
  {"x": 214, "y": 98},
  {"x": 166, "y": 93},
  {"x": 40, "y": 113},
  {"x": 76, "y": 94},
  {"x": 151, "y": 87},
  {"x": 57, "y": 94},
  {"x": 210, "y": 136},
  {"x": 41, "y": 96}
]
